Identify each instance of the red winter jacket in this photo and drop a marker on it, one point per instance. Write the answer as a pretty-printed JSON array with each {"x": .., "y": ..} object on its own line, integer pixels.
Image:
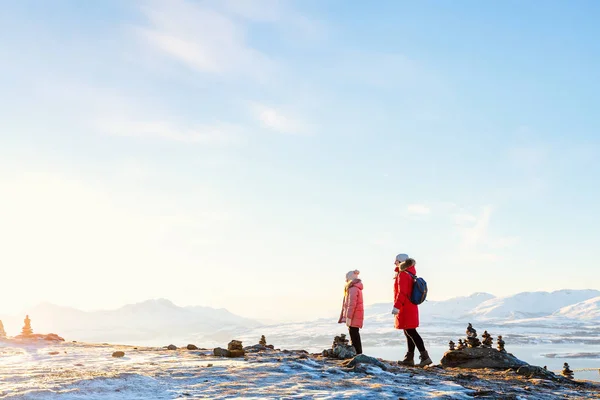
[
  {"x": 353, "y": 307},
  {"x": 408, "y": 317}
]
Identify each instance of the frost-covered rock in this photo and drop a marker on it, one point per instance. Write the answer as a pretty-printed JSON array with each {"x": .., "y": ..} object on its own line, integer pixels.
[
  {"x": 363, "y": 359},
  {"x": 480, "y": 357}
]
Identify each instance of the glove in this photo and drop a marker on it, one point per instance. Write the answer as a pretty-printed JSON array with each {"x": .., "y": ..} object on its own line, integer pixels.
[
  {"x": 395, "y": 311},
  {"x": 348, "y": 322}
]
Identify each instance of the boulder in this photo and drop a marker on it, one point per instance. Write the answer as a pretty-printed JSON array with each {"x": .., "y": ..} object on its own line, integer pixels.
[
  {"x": 481, "y": 357},
  {"x": 362, "y": 359},
  {"x": 118, "y": 354},
  {"x": 532, "y": 371},
  {"x": 192, "y": 347},
  {"x": 219, "y": 352},
  {"x": 236, "y": 353},
  {"x": 171, "y": 347}
]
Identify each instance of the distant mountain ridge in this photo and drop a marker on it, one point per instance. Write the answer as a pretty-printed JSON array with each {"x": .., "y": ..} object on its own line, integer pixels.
[
  {"x": 149, "y": 320},
  {"x": 572, "y": 304}
]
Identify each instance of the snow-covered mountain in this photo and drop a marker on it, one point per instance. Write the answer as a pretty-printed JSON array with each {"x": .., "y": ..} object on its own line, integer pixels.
[
  {"x": 150, "y": 320},
  {"x": 529, "y": 304},
  {"x": 588, "y": 310}
]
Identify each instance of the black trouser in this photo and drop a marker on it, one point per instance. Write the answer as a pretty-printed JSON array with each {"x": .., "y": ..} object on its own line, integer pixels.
[
  {"x": 355, "y": 337},
  {"x": 414, "y": 339}
]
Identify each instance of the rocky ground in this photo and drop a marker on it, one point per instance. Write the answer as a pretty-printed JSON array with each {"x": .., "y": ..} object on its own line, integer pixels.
[{"x": 90, "y": 371}]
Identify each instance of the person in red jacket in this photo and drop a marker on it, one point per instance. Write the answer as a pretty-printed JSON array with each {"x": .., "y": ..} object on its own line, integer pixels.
[
  {"x": 407, "y": 313},
  {"x": 353, "y": 310}
]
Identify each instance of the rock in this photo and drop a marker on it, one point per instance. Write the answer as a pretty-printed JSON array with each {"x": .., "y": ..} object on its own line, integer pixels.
[
  {"x": 192, "y": 347},
  {"x": 53, "y": 337},
  {"x": 481, "y": 357},
  {"x": 236, "y": 353},
  {"x": 235, "y": 345},
  {"x": 532, "y": 371},
  {"x": 363, "y": 359},
  {"x": 53, "y": 353},
  {"x": 171, "y": 347},
  {"x": 118, "y": 354},
  {"x": 344, "y": 351},
  {"x": 219, "y": 352}
]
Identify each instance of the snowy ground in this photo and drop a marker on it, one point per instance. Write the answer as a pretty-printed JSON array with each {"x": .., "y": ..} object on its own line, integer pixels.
[{"x": 73, "y": 371}]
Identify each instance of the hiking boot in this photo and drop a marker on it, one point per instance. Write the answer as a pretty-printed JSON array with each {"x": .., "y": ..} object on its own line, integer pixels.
[
  {"x": 425, "y": 360},
  {"x": 409, "y": 360}
]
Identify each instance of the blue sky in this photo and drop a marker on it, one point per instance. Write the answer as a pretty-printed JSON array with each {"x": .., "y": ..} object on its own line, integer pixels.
[{"x": 248, "y": 154}]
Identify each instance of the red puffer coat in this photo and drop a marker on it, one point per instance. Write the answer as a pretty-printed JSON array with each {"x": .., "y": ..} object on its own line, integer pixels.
[{"x": 408, "y": 317}]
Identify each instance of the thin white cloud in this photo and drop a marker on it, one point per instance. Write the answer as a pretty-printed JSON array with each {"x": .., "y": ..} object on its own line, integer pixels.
[
  {"x": 203, "y": 39},
  {"x": 277, "y": 120},
  {"x": 418, "y": 209},
  {"x": 477, "y": 243}
]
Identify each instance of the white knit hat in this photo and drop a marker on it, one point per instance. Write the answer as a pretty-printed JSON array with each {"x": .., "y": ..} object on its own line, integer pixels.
[{"x": 352, "y": 275}]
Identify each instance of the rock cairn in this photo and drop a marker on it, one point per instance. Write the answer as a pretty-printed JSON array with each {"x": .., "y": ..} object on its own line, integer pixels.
[
  {"x": 234, "y": 349},
  {"x": 472, "y": 340},
  {"x": 488, "y": 341},
  {"x": 27, "y": 331},
  {"x": 2, "y": 331},
  {"x": 340, "y": 349},
  {"x": 461, "y": 344},
  {"x": 566, "y": 372},
  {"x": 263, "y": 341},
  {"x": 451, "y": 344},
  {"x": 500, "y": 343}
]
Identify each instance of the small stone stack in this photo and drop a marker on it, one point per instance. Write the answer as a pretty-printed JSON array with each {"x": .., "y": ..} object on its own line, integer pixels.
[
  {"x": 472, "y": 340},
  {"x": 451, "y": 344},
  {"x": 566, "y": 372},
  {"x": 234, "y": 349},
  {"x": 500, "y": 344},
  {"x": 27, "y": 331},
  {"x": 2, "y": 331},
  {"x": 263, "y": 341},
  {"x": 461, "y": 344},
  {"x": 340, "y": 349},
  {"x": 488, "y": 341}
]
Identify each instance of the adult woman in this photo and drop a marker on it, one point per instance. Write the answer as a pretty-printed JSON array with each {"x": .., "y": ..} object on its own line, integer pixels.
[
  {"x": 407, "y": 313},
  {"x": 353, "y": 310}
]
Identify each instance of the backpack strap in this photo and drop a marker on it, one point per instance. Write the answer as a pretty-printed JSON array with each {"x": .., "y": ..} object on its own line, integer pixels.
[{"x": 412, "y": 275}]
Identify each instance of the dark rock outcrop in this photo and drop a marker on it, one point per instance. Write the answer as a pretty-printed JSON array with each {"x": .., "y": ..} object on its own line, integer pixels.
[
  {"x": 118, "y": 354},
  {"x": 192, "y": 347},
  {"x": 480, "y": 357}
]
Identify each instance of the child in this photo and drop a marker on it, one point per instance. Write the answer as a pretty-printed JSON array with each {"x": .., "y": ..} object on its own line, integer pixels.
[{"x": 353, "y": 310}]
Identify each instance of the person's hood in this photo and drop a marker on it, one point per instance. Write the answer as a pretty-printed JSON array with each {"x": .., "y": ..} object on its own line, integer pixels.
[
  {"x": 355, "y": 283},
  {"x": 409, "y": 263}
]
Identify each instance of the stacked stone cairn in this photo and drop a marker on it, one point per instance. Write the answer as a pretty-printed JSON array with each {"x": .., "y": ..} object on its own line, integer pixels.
[
  {"x": 2, "y": 331},
  {"x": 263, "y": 340},
  {"x": 461, "y": 345},
  {"x": 472, "y": 340},
  {"x": 234, "y": 349},
  {"x": 566, "y": 372},
  {"x": 488, "y": 341},
  {"x": 27, "y": 331},
  {"x": 500, "y": 342},
  {"x": 451, "y": 344},
  {"x": 340, "y": 349}
]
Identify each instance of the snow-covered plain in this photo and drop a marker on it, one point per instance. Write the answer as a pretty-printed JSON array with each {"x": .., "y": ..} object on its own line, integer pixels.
[{"x": 73, "y": 371}]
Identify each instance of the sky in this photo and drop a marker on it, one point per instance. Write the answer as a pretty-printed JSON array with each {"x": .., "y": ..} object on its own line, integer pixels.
[{"x": 247, "y": 154}]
